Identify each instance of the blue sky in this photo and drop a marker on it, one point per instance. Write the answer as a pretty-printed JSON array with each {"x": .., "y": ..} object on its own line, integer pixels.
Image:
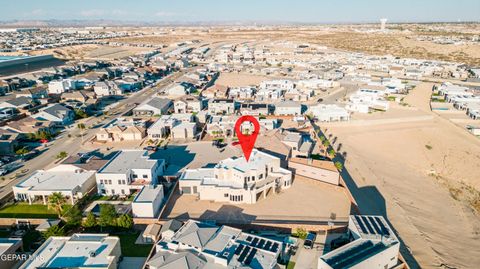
[{"x": 311, "y": 11}]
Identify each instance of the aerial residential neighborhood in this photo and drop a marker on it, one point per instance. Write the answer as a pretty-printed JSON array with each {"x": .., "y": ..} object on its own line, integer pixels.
[{"x": 247, "y": 134}]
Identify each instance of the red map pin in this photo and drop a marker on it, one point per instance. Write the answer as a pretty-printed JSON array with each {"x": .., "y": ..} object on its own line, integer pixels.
[{"x": 247, "y": 141}]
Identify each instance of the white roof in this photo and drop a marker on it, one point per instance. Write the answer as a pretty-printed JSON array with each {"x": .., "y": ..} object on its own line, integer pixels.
[
  {"x": 127, "y": 160},
  {"x": 79, "y": 250},
  {"x": 60, "y": 178}
]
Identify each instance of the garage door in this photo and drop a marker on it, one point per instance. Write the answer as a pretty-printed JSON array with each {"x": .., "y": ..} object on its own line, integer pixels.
[{"x": 186, "y": 190}]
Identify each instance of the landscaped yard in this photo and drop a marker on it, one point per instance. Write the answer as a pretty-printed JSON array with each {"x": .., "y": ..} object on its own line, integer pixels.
[
  {"x": 130, "y": 249},
  {"x": 24, "y": 210}
]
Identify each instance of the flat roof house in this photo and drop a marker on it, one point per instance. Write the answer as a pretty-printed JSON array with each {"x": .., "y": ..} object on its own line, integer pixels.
[
  {"x": 148, "y": 201},
  {"x": 201, "y": 246},
  {"x": 235, "y": 180},
  {"x": 127, "y": 172},
  {"x": 98, "y": 251},
  {"x": 288, "y": 108},
  {"x": 71, "y": 181},
  {"x": 373, "y": 245}
]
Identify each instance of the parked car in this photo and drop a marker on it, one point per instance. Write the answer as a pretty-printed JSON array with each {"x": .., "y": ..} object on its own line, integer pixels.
[
  {"x": 310, "y": 240},
  {"x": 3, "y": 171},
  {"x": 150, "y": 148}
]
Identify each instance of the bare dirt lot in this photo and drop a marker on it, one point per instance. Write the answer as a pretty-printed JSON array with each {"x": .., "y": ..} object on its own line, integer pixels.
[{"x": 427, "y": 172}]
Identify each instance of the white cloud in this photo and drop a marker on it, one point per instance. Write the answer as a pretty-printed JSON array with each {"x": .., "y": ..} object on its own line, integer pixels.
[{"x": 92, "y": 13}]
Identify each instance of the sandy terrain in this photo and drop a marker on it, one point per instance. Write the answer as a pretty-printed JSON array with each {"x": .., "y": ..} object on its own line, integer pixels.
[
  {"x": 240, "y": 79},
  {"x": 424, "y": 170}
]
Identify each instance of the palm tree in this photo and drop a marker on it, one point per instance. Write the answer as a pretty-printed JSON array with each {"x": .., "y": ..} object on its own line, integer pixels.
[
  {"x": 56, "y": 201},
  {"x": 82, "y": 127},
  {"x": 326, "y": 144}
]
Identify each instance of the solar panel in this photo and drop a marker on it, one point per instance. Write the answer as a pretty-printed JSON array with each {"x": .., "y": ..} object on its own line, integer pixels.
[
  {"x": 239, "y": 249},
  {"x": 254, "y": 242},
  {"x": 375, "y": 226},
  {"x": 274, "y": 247},
  {"x": 267, "y": 245},
  {"x": 249, "y": 259},
  {"x": 349, "y": 253},
  {"x": 360, "y": 223},
  {"x": 261, "y": 243},
  {"x": 384, "y": 229},
  {"x": 249, "y": 238},
  {"x": 244, "y": 254},
  {"x": 367, "y": 224}
]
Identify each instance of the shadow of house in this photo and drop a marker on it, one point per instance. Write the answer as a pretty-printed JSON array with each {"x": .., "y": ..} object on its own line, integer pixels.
[
  {"x": 176, "y": 158},
  {"x": 228, "y": 215}
]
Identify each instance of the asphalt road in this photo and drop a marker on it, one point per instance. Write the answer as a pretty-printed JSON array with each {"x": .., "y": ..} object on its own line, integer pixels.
[{"x": 73, "y": 144}]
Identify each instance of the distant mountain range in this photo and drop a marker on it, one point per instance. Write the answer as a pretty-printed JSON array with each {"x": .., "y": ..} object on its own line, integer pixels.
[{"x": 102, "y": 23}]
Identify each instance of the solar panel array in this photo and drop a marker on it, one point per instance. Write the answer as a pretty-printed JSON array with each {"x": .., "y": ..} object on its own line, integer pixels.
[
  {"x": 244, "y": 253},
  {"x": 264, "y": 244},
  {"x": 348, "y": 254},
  {"x": 371, "y": 225}
]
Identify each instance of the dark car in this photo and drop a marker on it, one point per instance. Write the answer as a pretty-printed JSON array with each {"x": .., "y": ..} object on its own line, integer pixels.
[
  {"x": 309, "y": 240},
  {"x": 151, "y": 148},
  {"x": 31, "y": 155}
]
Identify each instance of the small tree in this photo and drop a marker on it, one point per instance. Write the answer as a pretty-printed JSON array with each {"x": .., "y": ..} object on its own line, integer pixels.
[
  {"x": 80, "y": 114},
  {"x": 108, "y": 215},
  {"x": 21, "y": 151},
  {"x": 90, "y": 221},
  {"x": 56, "y": 201},
  {"x": 339, "y": 166},
  {"x": 331, "y": 152},
  {"x": 73, "y": 216},
  {"x": 62, "y": 155},
  {"x": 322, "y": 138},
  {"x": 300, "y": 233},
  {"x": 125, "y": 221},
  {"x": 53, "y": 231}
]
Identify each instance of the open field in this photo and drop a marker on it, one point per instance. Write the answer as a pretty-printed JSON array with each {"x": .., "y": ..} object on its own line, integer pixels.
[
  {"x": 398, "y": 43},
  {"x": 306, "y": 200},
  {"x": 427, "y": 173}
]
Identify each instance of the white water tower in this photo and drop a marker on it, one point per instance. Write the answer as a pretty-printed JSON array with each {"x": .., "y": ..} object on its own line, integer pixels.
[{"x": 383, "y": 22}]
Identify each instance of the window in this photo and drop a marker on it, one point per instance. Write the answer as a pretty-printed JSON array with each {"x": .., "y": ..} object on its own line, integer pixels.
[
  {"x": 110, "y": 182},
  {"x": 123, "y": 191},
  {"x": 113, "y": 191},
  {"x": 145, "y": 176},
  {"x": 101, "y": 181},
  {"x": 253, "y": 178},
  {"x": 119, "y": 182},
  {"x": 124, "y": 182},
  {"x": 225, "y": 195},
  {"x": 135, "y": 176},
  {"x": 260, "y": 176}
]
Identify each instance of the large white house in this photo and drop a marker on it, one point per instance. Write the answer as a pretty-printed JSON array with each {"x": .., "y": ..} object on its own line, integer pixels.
[
  {"x": 127, "y": 172},
  {"x": 373, "y": 245},
  {"x": 204, "y": 246},
  {"x": 237, "y": 181}
]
